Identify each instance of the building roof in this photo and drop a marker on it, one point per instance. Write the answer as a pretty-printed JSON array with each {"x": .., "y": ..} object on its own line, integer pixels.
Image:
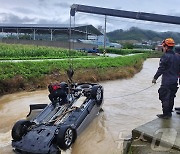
[{"x": 48, "y": 28}]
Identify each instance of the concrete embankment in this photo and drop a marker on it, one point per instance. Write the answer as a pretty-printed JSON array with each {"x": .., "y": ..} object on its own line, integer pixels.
[{"x": 157, "y": 136}]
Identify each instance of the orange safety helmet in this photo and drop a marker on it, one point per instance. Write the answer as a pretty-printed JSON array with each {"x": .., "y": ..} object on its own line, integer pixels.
[{"x": 169, "y": 42}]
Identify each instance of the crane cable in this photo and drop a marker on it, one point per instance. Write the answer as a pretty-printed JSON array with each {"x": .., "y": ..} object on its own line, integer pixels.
[{"x": 70, "y": 60}]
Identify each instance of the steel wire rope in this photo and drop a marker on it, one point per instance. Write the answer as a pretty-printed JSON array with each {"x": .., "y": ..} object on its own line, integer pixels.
[
  {"x": 69, "y": 43},
  {"x": 134, "y": 93},
  {"x": 126, "y": 96},
  {"x": 71, "y": 38}
]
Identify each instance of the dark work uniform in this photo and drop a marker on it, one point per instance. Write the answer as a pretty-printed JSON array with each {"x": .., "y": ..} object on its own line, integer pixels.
[{"x": 169, "y": 68}]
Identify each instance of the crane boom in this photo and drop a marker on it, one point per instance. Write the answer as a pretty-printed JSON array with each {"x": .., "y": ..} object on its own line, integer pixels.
[{"x": 125, "y": 14}]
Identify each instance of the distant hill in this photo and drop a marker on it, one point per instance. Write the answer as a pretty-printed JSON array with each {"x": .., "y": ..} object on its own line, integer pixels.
[{"x": 137, "y": 34}]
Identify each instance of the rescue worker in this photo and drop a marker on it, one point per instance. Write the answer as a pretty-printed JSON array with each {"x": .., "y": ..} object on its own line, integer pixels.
[
  {"x": 169, "y": 68},
  {"x": 58, "y": 93}
]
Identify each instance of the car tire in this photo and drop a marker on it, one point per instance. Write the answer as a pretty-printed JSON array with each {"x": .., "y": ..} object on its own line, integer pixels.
[
  {"x": 19, "y": 129},
  {"x": 97, "y": 94},
  {"x": 65, "y": 138}
]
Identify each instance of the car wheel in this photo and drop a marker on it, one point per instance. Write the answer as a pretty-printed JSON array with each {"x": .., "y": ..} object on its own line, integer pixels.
[
  {"x": 65, "y": 138},
  {"x": 97, "y": 94},
  {"x": 19, "y": 129}
]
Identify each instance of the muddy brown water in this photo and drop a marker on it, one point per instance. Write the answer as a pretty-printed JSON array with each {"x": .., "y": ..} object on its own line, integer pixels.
[{"x": 106, "y": 133}]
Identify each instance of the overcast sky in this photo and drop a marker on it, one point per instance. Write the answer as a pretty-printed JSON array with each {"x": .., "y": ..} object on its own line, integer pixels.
[{"x": 57, "y": 12}]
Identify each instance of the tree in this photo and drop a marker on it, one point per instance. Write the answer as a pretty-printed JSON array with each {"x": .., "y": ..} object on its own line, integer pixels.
[{"x": 128, "y": 45}]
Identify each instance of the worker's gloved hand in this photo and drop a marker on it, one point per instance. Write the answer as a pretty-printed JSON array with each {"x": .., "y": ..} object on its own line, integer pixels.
[{"x": 154, "y": 81}]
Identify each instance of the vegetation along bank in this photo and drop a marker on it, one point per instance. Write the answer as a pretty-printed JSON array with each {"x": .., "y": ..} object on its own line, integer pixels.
[{"x": 31, "y": 75}]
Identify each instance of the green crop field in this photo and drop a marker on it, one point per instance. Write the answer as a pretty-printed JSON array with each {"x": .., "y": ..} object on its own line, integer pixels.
[
  {"x": 37, "y": 69},
  {"x": 16, "y": 51},
  {"x": 27, "y": 52}
]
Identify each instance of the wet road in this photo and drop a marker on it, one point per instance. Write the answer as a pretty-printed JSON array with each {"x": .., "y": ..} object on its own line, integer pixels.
[{"x": 106, "y": 133}]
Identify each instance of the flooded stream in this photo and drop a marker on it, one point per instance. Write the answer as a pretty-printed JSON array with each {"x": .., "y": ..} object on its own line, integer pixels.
[{"x": 106, "y": 133}]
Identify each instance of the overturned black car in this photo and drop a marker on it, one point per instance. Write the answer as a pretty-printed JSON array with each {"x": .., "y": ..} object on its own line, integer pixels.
[{"x": 52, "y": 127}]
